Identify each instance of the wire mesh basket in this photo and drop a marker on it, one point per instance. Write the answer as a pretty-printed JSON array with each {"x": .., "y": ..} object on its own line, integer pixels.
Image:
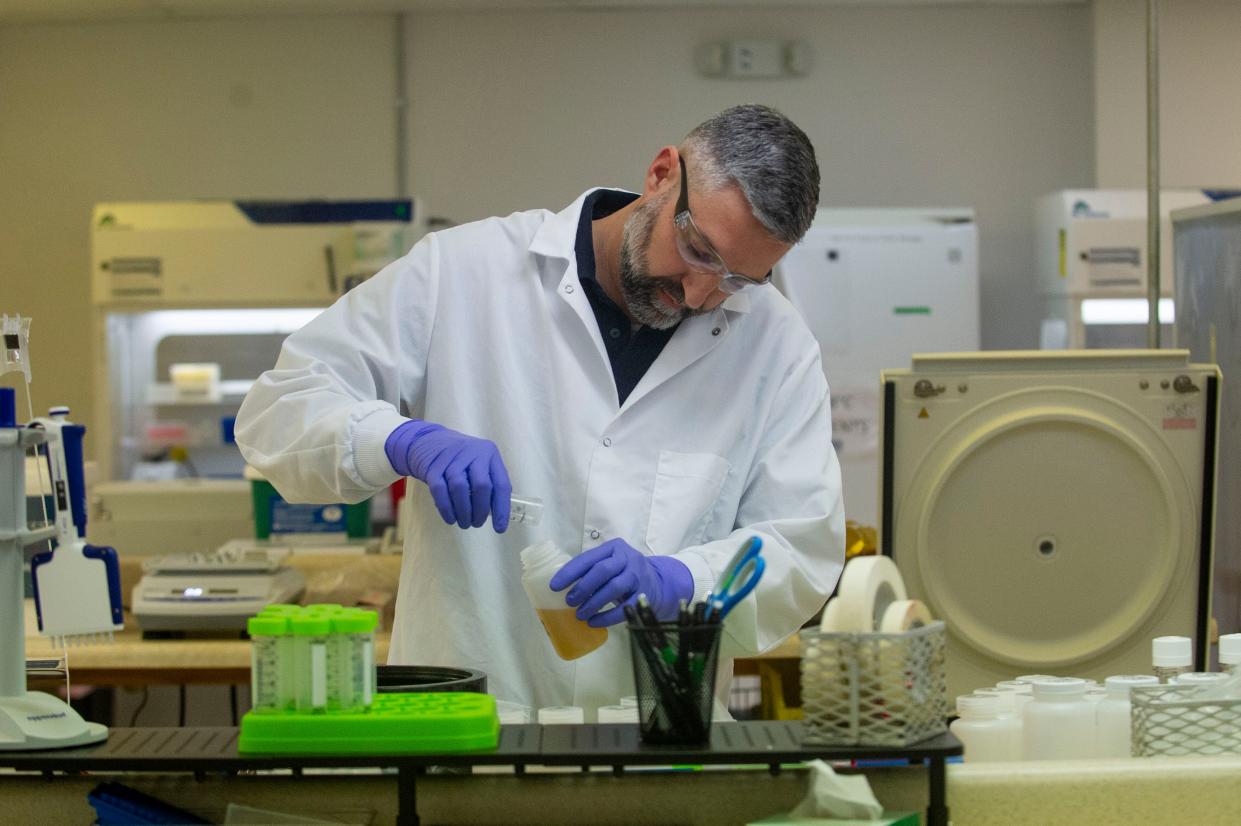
[
  {"x": 873, "y": 689},
  {"x": 1172, "y": 720}
]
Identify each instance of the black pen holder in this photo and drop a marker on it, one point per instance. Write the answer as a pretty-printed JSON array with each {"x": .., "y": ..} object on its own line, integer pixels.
[{"x": 674, "y": 673}]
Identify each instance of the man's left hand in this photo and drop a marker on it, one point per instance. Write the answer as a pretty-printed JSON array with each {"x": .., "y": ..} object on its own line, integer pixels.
[{"x": 616, "y": 572}]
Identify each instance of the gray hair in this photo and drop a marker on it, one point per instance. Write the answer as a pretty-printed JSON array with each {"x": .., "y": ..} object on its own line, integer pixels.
[{"x": 768, "y": 157}]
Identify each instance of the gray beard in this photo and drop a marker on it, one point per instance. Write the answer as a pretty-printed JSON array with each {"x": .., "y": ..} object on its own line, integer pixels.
[{"x": 638, "y": 287}]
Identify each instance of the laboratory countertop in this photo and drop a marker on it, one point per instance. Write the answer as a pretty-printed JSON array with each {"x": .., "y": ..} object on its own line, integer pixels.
[{"x": 133, "y": 661}]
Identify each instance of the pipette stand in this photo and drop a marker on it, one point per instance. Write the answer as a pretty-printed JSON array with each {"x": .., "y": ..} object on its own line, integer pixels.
[{"x": 28, "y": 719}]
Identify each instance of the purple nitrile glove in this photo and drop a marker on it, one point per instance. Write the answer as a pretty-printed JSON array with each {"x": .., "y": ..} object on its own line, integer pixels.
[
  {"x": 615, "y": 572},
  {"x": 466, "y": 475}
]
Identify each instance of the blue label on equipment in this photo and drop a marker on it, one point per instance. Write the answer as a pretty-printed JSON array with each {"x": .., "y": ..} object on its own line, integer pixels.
[{"x": 286, "y": 518}]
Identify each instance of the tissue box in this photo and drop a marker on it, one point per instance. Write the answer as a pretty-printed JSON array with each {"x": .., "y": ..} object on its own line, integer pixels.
[{"x": 888, "y": 819}]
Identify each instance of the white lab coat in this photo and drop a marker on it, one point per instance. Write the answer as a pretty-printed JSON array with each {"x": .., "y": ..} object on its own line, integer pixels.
[{"x": 485, "y": 328}]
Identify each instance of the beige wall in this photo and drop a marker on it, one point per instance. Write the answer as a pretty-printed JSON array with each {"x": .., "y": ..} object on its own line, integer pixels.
[
  {"x": 1200, "y": 101},
  {"x": 986, "y": 107},
  {"x": 276, "y": 108}
]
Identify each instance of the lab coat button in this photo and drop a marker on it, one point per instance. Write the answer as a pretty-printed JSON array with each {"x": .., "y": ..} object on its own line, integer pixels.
[
  {"x": 568, "y": 288},
  {"x": 595, "y": 534},
  {"x": 607, "y": 442},
  {"x": 614, "y": 332}
]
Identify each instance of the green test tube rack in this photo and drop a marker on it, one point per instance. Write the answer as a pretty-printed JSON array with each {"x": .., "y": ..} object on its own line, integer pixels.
[
  {"x": 414, "y": 723},
  {"x": 313, "y": 682}
]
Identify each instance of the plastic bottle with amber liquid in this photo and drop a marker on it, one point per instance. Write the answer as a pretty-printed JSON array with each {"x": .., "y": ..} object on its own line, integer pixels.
[{"x": 571, "y": 637}]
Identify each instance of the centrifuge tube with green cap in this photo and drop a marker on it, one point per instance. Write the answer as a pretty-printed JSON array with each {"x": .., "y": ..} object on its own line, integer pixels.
[
  {"x": 267, "y": 633},
  {"x": 525, "y": 510},
  {"x": 285, "y": 646},
  {"x": 311, "y": 630},
  {"x": 355, "y": 629}
]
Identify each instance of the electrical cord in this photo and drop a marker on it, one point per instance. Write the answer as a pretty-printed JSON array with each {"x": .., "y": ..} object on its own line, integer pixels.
[{"x": 133, "y": 718}]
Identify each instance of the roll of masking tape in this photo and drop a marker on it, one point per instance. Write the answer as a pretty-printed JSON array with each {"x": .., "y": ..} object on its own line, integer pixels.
[
  {"x": 830, "y": 621},
  {"x": 904, "y": 615},
  {"x": 868, "y": 586}
]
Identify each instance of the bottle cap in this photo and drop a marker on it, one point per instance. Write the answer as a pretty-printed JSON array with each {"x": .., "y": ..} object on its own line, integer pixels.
[
  {"x": 1121, "y": 683},
  {"x": 267, "y": 625},
  {"x": 1020, "y": 688},
  {"x": 1032, "y": 678},
  {"x": 1172, "y": 652},
  {"x": 618, "y": 714},
  {"x": 550, "y": 715},
  {"x": 310, "y": 624},
  {"x": 354, "y": 621},
  {"x": 978, "y": 705},
  {"x": 323, "y": 608},
  {"x": 1200, "y": 678},
  {"x": 1059, "y": 687},
  {"x": 1230, "y": 649},
  {"x": 1006, "y": 697},
  {"x": 511, "y": 714},
  {"x": 280, "y": 608}
]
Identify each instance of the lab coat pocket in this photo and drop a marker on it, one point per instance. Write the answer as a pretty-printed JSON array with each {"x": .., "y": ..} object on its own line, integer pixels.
[{"x": 686, "y": 487}]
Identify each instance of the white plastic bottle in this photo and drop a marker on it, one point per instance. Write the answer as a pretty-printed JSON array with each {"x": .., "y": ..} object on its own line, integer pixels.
[
  {"x": 571, "y": 637},
  {"x": 1171, "y": 656},
  {"x": 1009, "y": 712},
  {"x": 1113, "y": 714},
  {"x": 1229, "y": 652},
  {"x": 986, "y": 737},
  {"x": 1059, "y": 724}
]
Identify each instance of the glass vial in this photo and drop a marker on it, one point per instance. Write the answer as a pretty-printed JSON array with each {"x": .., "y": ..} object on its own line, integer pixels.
[
  {"x": 525, "y": 510},
  {"x": 571, "y": 637}
]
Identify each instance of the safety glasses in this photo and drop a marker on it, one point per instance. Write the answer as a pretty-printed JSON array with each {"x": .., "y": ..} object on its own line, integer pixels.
[{"x": 697, "y": 250}]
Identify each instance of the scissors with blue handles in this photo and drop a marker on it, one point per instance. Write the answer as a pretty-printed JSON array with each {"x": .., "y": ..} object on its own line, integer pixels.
[{"x": 740, "y": 576}]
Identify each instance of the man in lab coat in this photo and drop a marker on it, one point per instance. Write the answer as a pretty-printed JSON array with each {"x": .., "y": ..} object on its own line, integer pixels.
[{"x": 624, "y": 361}]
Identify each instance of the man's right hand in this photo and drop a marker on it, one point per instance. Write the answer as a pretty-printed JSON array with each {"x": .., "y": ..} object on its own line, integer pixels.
[{"x": 466, "y": 476}]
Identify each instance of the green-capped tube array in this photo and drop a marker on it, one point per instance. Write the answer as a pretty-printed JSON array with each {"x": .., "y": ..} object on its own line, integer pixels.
[{"x": 313, "y": 659}]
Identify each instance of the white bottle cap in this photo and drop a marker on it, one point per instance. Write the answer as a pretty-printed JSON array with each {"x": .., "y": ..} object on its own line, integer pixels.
[
  {"x": 1201, "y": 678},
  {"x": 1230, "y": 649},
  {"x": 1121, "y": 683},
  {"x": 553, "y": 715},
  {"x": 1032, "y": 678},
  {"x": 1020, "y": 688},
  {"x": 1007, "y": 698},
  {"x": 1172, "y": 652},
  {"x": 631, "y": 700},
  {"x": 978, "y": 705},
  {"x": 512, "y": 714},
  {"x": 618, "y": 714},
  {"x": 1059, "y": 687}
]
